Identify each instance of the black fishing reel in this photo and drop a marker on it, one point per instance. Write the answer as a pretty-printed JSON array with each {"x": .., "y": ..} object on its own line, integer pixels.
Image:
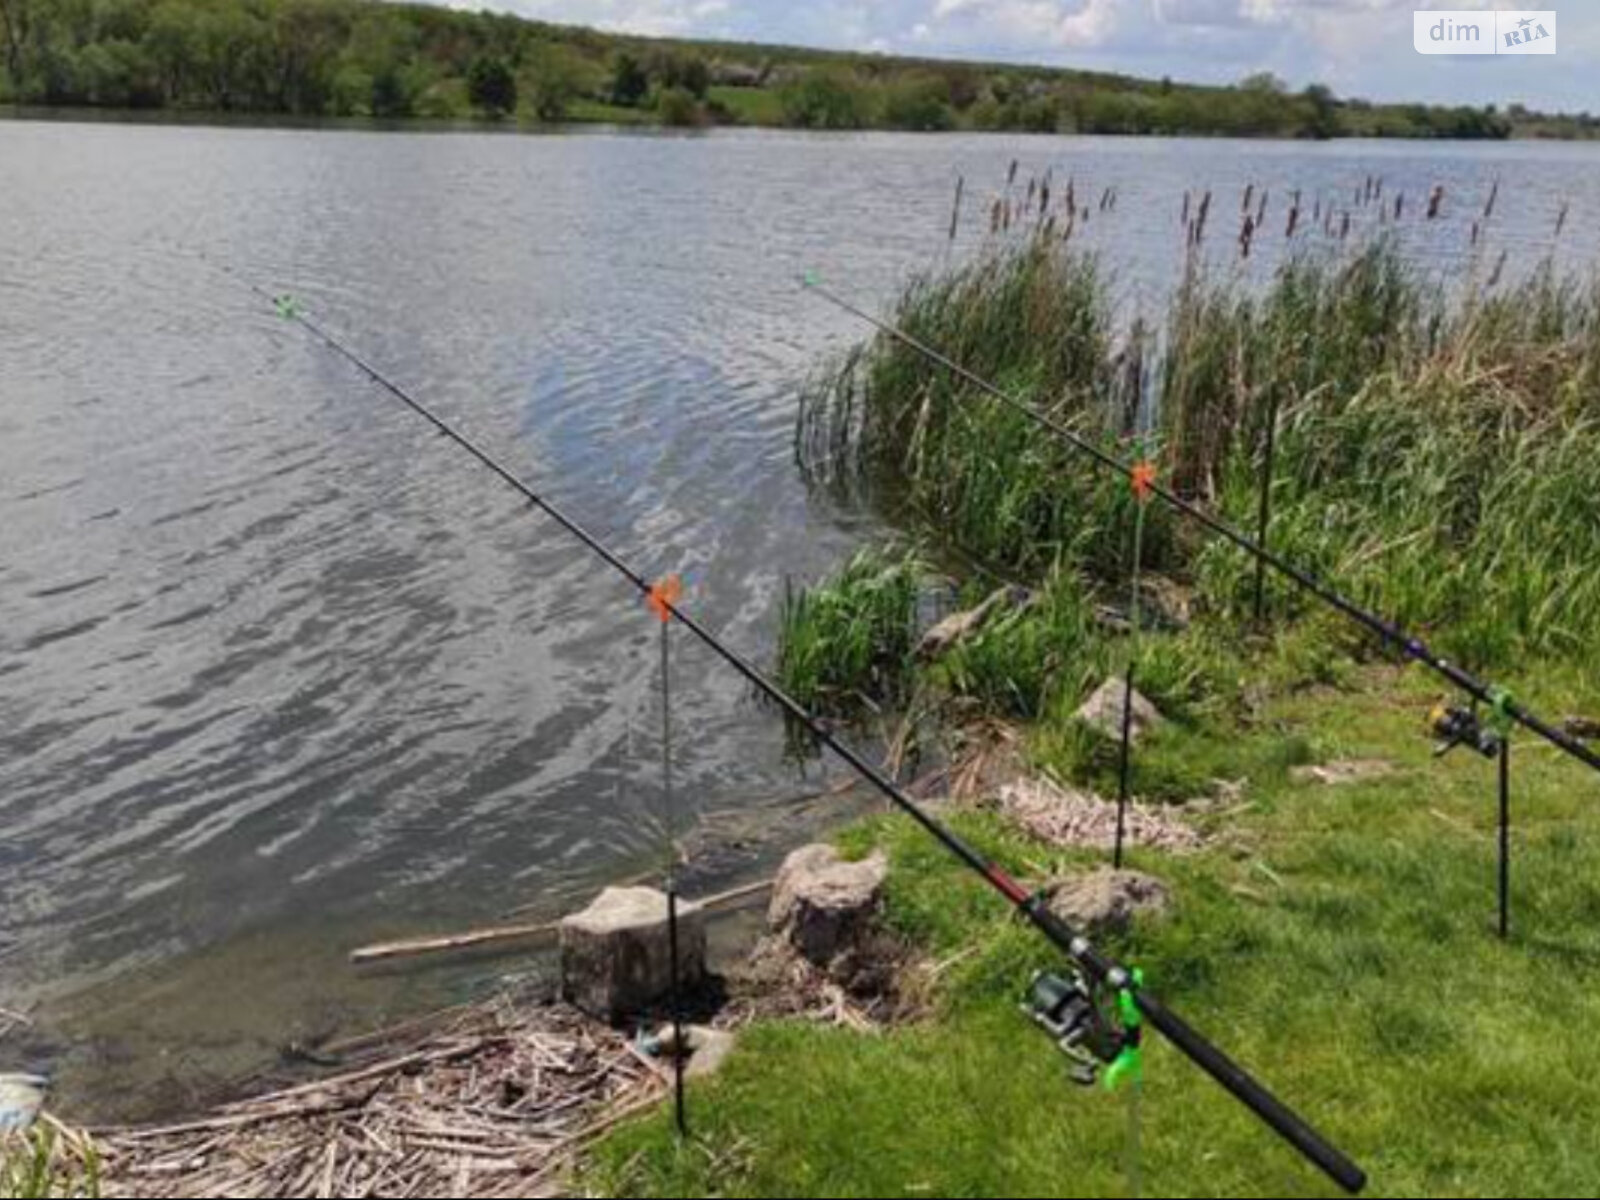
[
  {"x": 1455, "y": 725},
  {"x": 1068, "y": 1009}
]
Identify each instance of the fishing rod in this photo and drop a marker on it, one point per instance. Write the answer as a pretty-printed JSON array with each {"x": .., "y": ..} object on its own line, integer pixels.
[
  {"x": 1389, "y": 633},
  {"x": 1133, "y": 1000}
]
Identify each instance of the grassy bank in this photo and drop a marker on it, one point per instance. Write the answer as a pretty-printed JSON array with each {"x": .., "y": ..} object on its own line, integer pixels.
[
  {"x": 1340, "y": 945},
  {"x": 1435, "y": 456}
]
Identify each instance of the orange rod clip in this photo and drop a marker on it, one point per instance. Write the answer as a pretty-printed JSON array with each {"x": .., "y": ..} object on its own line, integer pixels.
[
  {"x": 664, "y": 595},
  {"x": 1144, "y": 479}
]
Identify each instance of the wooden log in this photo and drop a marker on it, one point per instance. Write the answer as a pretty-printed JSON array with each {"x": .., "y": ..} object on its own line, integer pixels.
[
  {"x": 500, "y": 935},
  {"x": 413, "y": 947}
]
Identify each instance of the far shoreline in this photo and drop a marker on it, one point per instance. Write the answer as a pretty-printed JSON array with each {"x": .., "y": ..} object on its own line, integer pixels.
[{"x": 217, "y": 119}]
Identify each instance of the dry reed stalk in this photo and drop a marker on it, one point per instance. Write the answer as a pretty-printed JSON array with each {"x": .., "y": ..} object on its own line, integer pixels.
[
  {"x": 493, "y": 1105},
  {"x": 1062, "y": 817}
]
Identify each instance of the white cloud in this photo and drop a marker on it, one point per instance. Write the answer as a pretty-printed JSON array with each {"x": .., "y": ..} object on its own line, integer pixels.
[{"x": 1044, "y": 23}]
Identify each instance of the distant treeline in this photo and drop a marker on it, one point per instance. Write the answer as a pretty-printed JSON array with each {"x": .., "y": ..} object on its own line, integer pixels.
[{"x": 363, "y": 58}]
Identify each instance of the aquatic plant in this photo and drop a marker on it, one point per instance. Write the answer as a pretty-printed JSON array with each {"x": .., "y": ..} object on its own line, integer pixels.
[
  {"x": 1437, "y": 452},
  {"x": 42, "y": 1164},
  {"x": 846, "y": 644}
]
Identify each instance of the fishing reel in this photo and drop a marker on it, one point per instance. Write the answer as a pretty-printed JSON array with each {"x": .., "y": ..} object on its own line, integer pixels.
[
  {"x": 1085, "y": 1026},
  {"x": 1455, "y": 725}
]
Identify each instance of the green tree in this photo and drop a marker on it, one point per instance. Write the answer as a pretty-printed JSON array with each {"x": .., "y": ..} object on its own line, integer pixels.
[
  {"x": 688, "y": 72},
  {"x": 824, "y": 99},
  {"x": 491, "y": 86},
  {"x": 1324, "y": 120},
  {"x": 555, "y": 78},
  {"x": 629, "y": 80},
  {"x": 305, "y": 48},
  {"x": 918, "y": 102},
  {"x": 119, "y": 74},
  {"x": 677, "y": 106},
  {"x": 15, "y": 25},
  {"x": 1263, "y": 83}
]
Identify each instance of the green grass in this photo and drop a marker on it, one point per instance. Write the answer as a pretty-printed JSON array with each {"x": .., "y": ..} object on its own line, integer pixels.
[
  {"x": 749, "y": 105},
  {"x": 846, "y": 645},
  {"x": 39, "y": 1165},
  {"x": 1340, "y": 946}
]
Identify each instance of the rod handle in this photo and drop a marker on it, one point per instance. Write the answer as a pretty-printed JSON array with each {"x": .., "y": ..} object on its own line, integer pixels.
[{"x": 1283, "y": 1120}]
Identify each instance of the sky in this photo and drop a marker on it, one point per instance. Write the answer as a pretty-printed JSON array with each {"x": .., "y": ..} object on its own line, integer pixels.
[{"x": 1357, "y": 47}]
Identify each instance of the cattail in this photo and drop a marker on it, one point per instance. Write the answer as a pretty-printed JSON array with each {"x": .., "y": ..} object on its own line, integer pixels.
[
  {"x": 1011, "y": 176},
  {"x": 1399, "y": 205},
  {"x": 1105, "y": 199},
  {"x": 1294, "y": 220},
  {"x": 1435, "y": 201},
  {"x": 1249, "y": 194},
  {"x": 1378, "y": 195},
  {"x": 1261, "y": 210},
  {"x": 1044, "y": 196},
  {"x": 1316, "y": 209},
  {"x": 1344, "y": 229},
  {"x": 1475, "y": 231},
  {"x": 1246, "y": 232},
  {"x": 1494, "y": 194},
  {"x": 994, "y": 216},
  {"x": 1561, "y": 219},
  {"x": 1084, "y": 214},
  {"x": 1184, "y": 220},
  {"x": 955, "y": 209},
  {"x": 1072, "y": 194},
  {"x": 1050, "y": 225},
  {"x": 1499, "y": 267}
]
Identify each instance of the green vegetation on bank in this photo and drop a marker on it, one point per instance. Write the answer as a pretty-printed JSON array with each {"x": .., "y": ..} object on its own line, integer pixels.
[
  {"x": 1436, "y": 457},
  {"x": 1337, "y": 941},
  {"x": 1437, "y": 452},
  {"x": 388, "y": 60},
  {"x": 42, "y": 1164}
]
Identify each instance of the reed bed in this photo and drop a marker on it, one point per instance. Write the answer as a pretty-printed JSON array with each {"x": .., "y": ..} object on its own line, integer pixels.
[
  {"x": 1437, "y": 448},
  {"x": 848, "y": 647},
  {"x": 495, "y": 1103},
  {"x": 1065, "y": 818}
]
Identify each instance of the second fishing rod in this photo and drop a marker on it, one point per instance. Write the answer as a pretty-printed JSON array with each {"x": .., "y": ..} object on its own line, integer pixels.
[
  {"x": 1105, "y": 974},
  {"x": 1388, "y": 632}
]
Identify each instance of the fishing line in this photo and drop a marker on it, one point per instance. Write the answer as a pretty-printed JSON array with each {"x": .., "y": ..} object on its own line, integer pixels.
[
  {"x": 1095, "y": 966},
  {"x": 661, "y": 595},
  {"x": 1387, "y": 632},
  {"x": 1144, "y": 474}
]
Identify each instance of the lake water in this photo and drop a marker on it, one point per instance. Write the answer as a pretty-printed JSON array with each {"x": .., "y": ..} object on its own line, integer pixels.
[{"x": 281, "y": 671}]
